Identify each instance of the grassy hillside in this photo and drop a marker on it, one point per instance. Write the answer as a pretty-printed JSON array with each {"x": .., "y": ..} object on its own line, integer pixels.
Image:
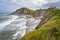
[
  {"x": 28, "y": 11},
  {"x": 48, "y": 31},
  {"x": 23, "y": 11}
]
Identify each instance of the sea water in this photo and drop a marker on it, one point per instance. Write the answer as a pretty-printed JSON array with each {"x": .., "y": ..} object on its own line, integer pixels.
[{"x": 13, "y": 27}]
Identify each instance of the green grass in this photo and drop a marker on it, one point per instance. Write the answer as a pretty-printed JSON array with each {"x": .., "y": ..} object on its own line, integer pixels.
[
  {"x": 28, "y": 11},
  {"x": 48, "y": 31}
]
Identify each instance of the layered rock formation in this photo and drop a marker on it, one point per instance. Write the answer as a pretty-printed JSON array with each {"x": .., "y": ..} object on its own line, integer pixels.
[
  {"x": 43, "y": 14},
  {"x": 48, "y": 28}
]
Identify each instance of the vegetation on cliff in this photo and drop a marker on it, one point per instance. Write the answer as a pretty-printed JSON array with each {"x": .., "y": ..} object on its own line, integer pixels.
[
  {"x": 23, "y": 10},
  {"x": 48, "y": 31}
]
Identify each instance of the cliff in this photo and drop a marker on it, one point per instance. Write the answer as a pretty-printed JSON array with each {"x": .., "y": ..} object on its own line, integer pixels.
[
  {"x": 25, "y": 11},
  {"x": 50, "y": 30}
]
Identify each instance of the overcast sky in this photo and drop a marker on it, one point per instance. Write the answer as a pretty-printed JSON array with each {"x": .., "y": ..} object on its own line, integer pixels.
[{"x": 11, "y": 5}]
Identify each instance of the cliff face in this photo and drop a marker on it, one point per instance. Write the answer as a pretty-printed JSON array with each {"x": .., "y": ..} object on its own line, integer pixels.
[
  {"x": 49, "y": 26},
  {"x": 46, "y": 15},
  {"x": 48, "y": 30},
  {"x": 43, "y": 14}
]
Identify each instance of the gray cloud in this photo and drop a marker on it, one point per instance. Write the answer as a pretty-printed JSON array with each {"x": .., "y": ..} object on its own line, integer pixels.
[
  {"x": 57, "y": 4},
  {"x": 9, "y": 5},
  {"x": 52, "y": 0}
]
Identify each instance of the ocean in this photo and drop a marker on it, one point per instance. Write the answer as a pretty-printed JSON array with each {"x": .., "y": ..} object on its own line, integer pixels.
[{"x": 13, "y": 27}]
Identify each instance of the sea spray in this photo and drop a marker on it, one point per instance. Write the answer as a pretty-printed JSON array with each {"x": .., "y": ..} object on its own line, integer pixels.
[
  {"x": 17, "y": 26},
  {"x": 8, "y": 21}
]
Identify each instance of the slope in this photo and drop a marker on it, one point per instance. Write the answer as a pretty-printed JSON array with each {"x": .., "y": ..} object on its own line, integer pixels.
[{"x": 49, "y": 31}]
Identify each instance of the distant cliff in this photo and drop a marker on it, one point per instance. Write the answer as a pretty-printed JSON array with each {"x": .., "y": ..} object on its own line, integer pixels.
[{"x": 25, "y": 11}]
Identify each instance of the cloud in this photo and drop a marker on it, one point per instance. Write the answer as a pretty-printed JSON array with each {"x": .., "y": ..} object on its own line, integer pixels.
[
  {"x": 14, "y": 1},
  {"x": 53, "y": 0},
  {"x": 9, "y": 5},
  {"x": 56, "y": 4},
  {"x": 29, "y": 2},
  {"x": 33, "y": 2}
]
